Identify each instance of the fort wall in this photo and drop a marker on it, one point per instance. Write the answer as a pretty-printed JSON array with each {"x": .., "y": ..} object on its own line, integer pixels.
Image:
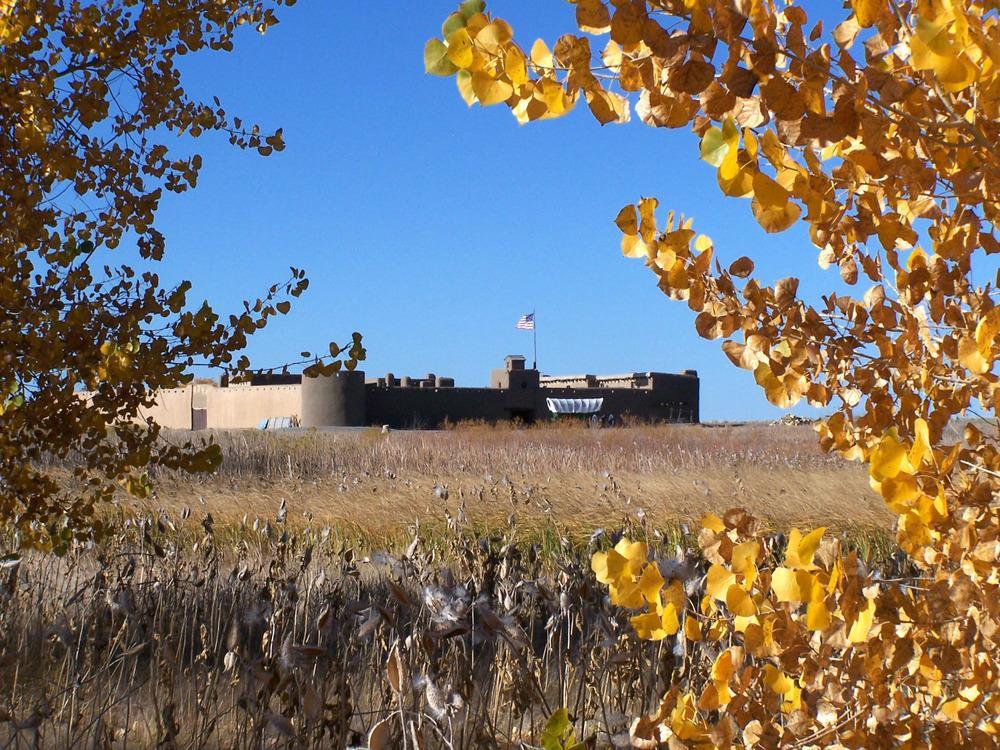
[
  {"x": 172, "y": 408},
  {"x": 430, "y": 407},
  {"x": 234, "y": 407},
  {"x": 243, "y": 406},
  {"x": 349, "y": 399}
]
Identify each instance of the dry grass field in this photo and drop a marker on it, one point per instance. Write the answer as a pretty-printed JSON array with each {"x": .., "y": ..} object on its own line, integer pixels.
[
  {"x": 409, "y": 590},
  {"x": 567, "y": 477}
]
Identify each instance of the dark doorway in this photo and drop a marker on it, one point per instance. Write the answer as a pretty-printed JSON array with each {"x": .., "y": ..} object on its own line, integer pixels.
[{"x": 199, "y": 419}]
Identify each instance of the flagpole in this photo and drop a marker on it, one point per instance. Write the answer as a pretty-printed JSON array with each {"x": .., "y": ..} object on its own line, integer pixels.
[{"x": 534, "y": 338}]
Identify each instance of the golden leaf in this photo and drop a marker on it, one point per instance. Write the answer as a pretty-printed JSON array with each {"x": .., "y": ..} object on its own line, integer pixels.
[
  {"x": 718, "y": 581},
  {"x": 494, "y": 35},
  {"x": 627, "y": 221},
  {"x": 792, "y": 699},
  {"x": 792, "y": 586},
  {"x": 647, "y": 219},
  {"x": 920, "y": 451},
  {"x": 627, "y": 24},
  {"x": 986, "y": 333},
  {"x": 783, "y": 392},
  {"x": 744, "y": 556},
  {"x": 933, "y": 47},
  {"x": 515, "y": 65},
  {"x": 735, "y": 182},
  {"x": 635, "y": 553},
  {"x": 541, "y": 57},
  {"x": 607, "y": 106},
  {"x": 592, "y": 16},
  {"x": 846, "y": 32},
  {"x": 674, "y": 594},
  {"x": 817, "y": 615},
  {"x": 862, "y": 625},
  {"x": 771, "y": 206},
  {"x": 692, "y": 630},
  {"x": 669, "y": 621},
  {"x": 634, "y": 247},
  {"x": 647, "y": 626},
  {"x": 650, "y": 583},
  {"x": 712, "y": 522},
  {"x": 626, "y": 594},
  {"x": 665, "y": 111},
  {"x": 460, "y": 52},
  {"x": 900, "y": 492},
  {"x": 801, "y": 549},
  {"x": 776, "y": 680},
  {"x": 739, "y": 601},
  {"x": 725, "y": 665},
  {"x": 655, "y": 625},
  {"x": 888, "y": 458},
  {"x": 464, "y": 82},
  {"x": 868, "y": 11},
  {"x": 971, "y": 357},
  {"x": 489, "y": 90}
]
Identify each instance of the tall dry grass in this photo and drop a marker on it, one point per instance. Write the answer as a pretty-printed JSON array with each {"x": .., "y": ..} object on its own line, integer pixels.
[
  {"x": 283, "y": 637},
  {"x": 567, "y": 475},
  {"x": 499, "y": 449},
  {"x": 412, "y": 590}
]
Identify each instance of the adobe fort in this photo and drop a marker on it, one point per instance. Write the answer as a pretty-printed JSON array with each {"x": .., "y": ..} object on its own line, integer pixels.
[{"x": 349, "y": 399}]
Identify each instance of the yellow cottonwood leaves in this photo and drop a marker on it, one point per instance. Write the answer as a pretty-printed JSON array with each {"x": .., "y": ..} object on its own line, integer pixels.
[
  {"x": 541, "y": 83},
  {"x": 771, "y": 204},
  {"x": 878, "y": 137},
  {"x": 976, "y": 352},
  {"x": 90, "y": 97},
  {"x": 868, "y": 11},
  {"x": 14, "y": 16},
  {"x": 635, "y": 583},
  {"x": 944, "y": 43},
  {"x": 788, "y": 636}
]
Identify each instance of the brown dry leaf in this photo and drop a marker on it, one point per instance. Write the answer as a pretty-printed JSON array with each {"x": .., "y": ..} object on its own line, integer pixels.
[
  {"x": 849, "y": 270},
  {"x": 592, "y": 16},
  {"x": 312, "y": 704},
  {"x": 607, "y": 106},
  {"x": 784, "y": 102},
  {"x": 665, "y": 111},
  {"x": 741, "y": 267},
  {"x": 379, "y": 735},
  {"x": 627, "y": 23},
  {"x": 395, "y": 671},
  {"x": 692, "y": 77}
]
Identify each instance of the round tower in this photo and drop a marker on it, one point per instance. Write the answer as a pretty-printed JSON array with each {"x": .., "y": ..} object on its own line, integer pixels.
[{"x": 336, "y": 400}]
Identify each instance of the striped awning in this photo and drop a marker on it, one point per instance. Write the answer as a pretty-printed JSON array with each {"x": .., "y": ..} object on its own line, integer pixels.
[{"x": 574, "y": 405}]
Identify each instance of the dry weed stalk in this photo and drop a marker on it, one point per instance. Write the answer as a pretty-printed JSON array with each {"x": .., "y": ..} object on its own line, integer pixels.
[{"x": 276, "y": 637}]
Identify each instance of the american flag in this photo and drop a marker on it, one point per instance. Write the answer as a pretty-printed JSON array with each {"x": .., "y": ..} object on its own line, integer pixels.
[{"x": 526, "y": 322}]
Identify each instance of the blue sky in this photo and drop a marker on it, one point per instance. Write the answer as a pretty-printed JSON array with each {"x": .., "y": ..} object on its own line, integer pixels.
[{"x": 431, "y": 228}]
